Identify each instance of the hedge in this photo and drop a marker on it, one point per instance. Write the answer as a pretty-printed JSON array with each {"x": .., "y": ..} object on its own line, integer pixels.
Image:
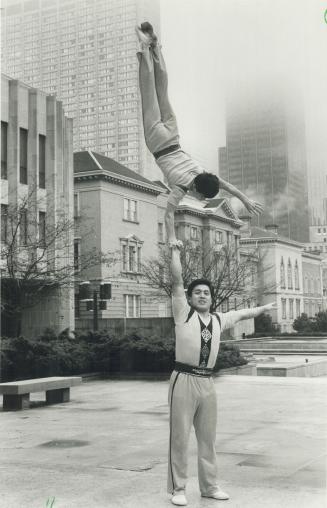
[{"x": 67, "y": 354}]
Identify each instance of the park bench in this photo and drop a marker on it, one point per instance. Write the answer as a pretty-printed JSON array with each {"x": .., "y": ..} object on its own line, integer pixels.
[{"x": 16, "y": 394}]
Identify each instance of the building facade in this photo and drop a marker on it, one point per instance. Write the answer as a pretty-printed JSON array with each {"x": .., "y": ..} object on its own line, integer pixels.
[
  {"x": 312, "y": 268},
  {"x": 265, "y": 157},
  {"x": 119, "y": 211},
  {"x": 318, "y": 240},
  {"x": 286, "y": 275},
  {"x": 85, "y": 53},
  {"x": 36, "y": 202}
]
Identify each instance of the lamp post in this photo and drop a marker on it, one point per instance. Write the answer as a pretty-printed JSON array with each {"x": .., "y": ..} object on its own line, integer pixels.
[{"x": 94, "y": 304}]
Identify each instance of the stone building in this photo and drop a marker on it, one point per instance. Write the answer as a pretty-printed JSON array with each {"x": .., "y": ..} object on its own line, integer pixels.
[
  {"x": 287, "y": 275},
  {"x": 36, "y": 169},
  {"x": 312, "y": 269},
  {"x": 119, "y": 211}
]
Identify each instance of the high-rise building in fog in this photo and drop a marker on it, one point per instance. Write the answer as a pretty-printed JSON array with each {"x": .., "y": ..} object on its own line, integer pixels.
[
  {"x": 317, "y": 191},
  {"x": 84, "y": 52},
  {"x": 265, "y": 157}
]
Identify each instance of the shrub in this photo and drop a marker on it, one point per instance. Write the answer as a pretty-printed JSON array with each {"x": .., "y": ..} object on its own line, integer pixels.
[
  {"x": 229, "y": 356},
  {"x": 51, "y": 355}
]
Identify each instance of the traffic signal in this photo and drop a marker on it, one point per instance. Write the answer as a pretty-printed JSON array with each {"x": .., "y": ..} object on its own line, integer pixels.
[
  {"x": 105, "y": 291},
  {"x": 85, "y": 291}
]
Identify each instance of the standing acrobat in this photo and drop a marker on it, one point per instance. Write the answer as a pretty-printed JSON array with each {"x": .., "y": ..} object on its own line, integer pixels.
[
  {"x": 192, "y": 396},
  {"x": 182, "y": 173}
]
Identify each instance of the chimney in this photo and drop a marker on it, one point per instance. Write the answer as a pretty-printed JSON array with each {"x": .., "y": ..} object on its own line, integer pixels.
[
  {"x": 273, "y": 228},
  {"x": 246, "y": 226}
]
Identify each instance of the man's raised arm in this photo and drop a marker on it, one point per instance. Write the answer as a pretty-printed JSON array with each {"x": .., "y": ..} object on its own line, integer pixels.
[{"x": 176, "y": 272}]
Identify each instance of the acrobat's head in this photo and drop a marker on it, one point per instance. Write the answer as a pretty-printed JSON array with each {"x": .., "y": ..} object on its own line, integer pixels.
[
  {"x": 205, "y": 185},
  {"x": 200, "y": 294}
]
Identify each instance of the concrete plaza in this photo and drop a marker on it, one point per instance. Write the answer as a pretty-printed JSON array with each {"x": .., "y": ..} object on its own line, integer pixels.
[{"x": 108, "y": 446}]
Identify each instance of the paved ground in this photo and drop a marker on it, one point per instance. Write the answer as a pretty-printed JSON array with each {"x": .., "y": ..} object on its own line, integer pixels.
[{"x": 108, "y": 447}]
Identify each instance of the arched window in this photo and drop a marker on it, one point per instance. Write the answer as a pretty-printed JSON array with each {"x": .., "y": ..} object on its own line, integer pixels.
[
  {"x": 282, "y": 273},
  {"x": 296, "y": 276},
  {"x": 289, "y": 275}
]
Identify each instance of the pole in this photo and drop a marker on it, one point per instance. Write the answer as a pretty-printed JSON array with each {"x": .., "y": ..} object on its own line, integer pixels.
[{"x": 95, "y": 311}]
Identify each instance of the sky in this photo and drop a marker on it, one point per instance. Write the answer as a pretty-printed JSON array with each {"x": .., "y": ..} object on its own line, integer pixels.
[{"x": 211, "y": 46}]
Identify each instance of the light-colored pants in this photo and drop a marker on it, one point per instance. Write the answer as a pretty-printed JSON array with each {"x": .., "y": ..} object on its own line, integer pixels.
[
  {"x": 159, "y": 121},
  {"x": 192, "y": 401}
]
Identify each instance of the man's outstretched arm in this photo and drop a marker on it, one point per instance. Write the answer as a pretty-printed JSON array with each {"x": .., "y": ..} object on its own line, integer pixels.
[
  {"x": 254, "y": 311},
  {"x": 252, "y": 206}
]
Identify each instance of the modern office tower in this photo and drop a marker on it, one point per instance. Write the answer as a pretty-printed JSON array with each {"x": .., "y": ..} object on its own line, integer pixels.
[
  {"x": 317, "y": 190},
  {"x": 265, "y": 157},
  {"x": 85, "y": 53},
  {"x": 36, "y": 211}
]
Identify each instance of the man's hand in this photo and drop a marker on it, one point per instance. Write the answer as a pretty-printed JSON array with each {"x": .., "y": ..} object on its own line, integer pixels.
[
  {"x": 270, "y": 306},
  {"x": 253, "y": 206},
  {"x": 174, "y": 243}
]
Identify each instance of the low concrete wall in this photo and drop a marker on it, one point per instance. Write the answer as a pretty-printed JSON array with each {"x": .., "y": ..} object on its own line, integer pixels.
[
  {"x": 311, "y": 369},
  {"x": 272, "y": 345},
  {"x": 243, "y": 370}
]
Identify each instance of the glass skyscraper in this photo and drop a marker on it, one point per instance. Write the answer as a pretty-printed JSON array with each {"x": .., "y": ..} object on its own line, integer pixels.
[{"x": 265, "y": 157}]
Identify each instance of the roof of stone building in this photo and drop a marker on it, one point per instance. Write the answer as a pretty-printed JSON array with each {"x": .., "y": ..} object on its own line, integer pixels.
[{"x": 88, "y": 160}]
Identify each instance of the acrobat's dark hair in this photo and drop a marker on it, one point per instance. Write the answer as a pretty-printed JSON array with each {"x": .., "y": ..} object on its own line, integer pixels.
[
  {"x": 207, "y": 184},
  {"x": 198, "y": 282}
]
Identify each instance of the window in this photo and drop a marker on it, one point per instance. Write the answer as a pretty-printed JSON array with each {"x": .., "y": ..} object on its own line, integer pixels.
[
  {"x": 131, "y": 256},
  {"x": 42, "y": 161},
  {"x": 160, "y": 232},
  {"x": 284, "y": 308},
  {"x": 76, "y": 204},
  {"x": 132, "y": 306},
  {"x": 291, "y": 308},
  {"x": 194, "y": 233},
  {"x": 23, "y": 228},
  {"x": 296, "y": 276},
  {"x": 4, "y": 147},
  {"x": 289, "y": 275},
  {"x": 77, "y": 254},
  {"x": 219, "y": 237},
  {"x": 4, "y": 223},
  {"x": 42, "y": 230},
  {"x": 298, "y": 307},
  {"x": 23, "y": 155},
  {"x": 130, "y": 210},
  {"x": 282, "y": 273}
]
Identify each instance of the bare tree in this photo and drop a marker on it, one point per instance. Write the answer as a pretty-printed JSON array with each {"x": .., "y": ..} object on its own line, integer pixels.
[
  {"x": 230, "y": 273},
  {"x": 37, "y": 256}
]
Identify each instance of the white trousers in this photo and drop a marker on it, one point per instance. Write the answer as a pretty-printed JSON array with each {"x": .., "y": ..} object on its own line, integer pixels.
[{"x": 192, "y": 401}]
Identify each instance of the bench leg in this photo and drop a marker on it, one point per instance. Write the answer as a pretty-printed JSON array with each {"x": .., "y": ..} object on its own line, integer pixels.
[
  {"x": 57, "y": 396},
  {"x": 16, "y": 402}
]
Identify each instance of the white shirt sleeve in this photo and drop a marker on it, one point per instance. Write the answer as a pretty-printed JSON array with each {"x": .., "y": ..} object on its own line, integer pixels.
[
  {"x": 181, "y": 309},
  {"x": 228, "y": 319},
  {"x": 176, "y": 196}
]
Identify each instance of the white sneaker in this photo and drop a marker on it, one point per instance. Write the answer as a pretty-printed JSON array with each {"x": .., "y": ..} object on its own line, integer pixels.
[
  {"x": 179, "y": 500},
  {"x": 218, "y": 494}
]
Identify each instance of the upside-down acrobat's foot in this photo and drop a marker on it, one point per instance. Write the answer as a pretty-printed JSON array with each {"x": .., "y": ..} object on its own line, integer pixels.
[{"x": 147, "y": 28}]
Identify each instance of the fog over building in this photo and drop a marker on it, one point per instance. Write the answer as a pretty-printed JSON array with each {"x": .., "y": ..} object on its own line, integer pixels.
[
  {"x": 85, "y": 53},
  {"x": 265, "y": 156}
]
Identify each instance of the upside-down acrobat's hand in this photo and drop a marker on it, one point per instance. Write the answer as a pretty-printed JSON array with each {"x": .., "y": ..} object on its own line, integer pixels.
[
  {"x": 175, "y": 244},
  {"x": 253, "y": 207}
]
